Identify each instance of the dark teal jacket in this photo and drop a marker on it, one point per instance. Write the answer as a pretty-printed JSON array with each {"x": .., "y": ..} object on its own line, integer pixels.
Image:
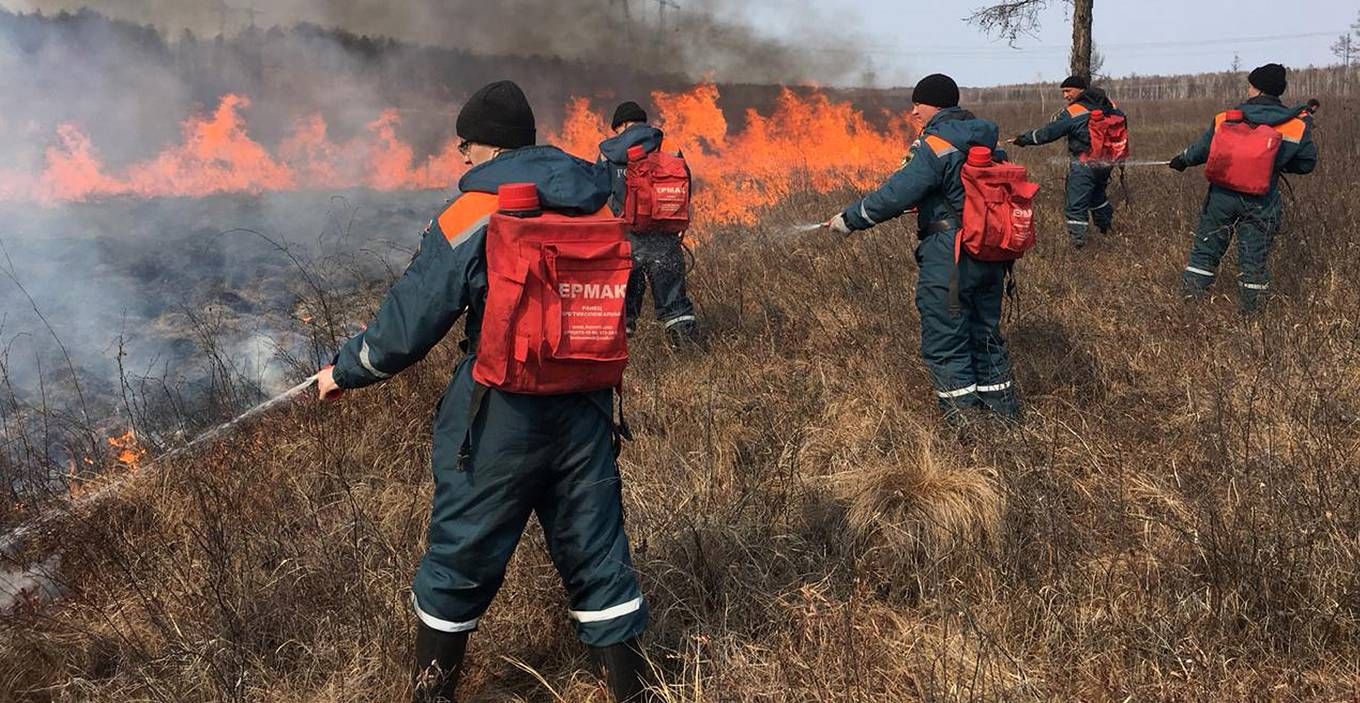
[
  {"x": 1073, "y": 122},
  {"x": 1298, "y": 153},
  {"x": 447, "y": 277},
  {"x": 614, "y": 158},
  {"x": 929, "y": 180}
]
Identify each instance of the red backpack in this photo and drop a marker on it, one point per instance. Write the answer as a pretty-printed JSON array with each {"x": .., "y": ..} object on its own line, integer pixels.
[
  {"x": 657, "y": 187},
  {"x": 1109, "y": 134},
  {"x": 998, "y": 208},
  {"x": 554, "y": 304},
  {"x": 1242, "y": 154}
]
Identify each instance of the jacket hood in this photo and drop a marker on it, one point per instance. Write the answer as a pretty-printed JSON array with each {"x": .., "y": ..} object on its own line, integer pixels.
[
  {"x": 1266, "y": 109},
  {"x": 565, "y": 183},
  {"x": 1096, "y": 99},
  {"x": 616, "y": 148},
  {"x": 962, "y": 129}
]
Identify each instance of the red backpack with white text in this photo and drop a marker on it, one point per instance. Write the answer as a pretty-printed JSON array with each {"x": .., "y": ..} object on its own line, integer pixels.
[
  {"x": 998, "y": 209},
  {"x": 554, "y": 319},
  {"x": 657, "y": 187}
]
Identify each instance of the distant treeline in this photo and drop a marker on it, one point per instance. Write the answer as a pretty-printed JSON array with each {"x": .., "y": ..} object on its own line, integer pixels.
[{"x": 1303, "y": 84}]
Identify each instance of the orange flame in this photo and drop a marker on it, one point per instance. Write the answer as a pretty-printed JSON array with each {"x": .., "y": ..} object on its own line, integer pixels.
[
  {"x": 130, "y": 451},
  {"x": 806, "y": 143}
]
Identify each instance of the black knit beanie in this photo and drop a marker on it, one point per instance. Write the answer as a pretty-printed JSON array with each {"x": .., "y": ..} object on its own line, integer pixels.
[
  {"x": 1077, "y": 82},
  {"x": 498, "y": 115},
  {"x": 628, "y": 112},
  {"x": 937, "y": 90},
  {"x": 1269, "y": 79}
]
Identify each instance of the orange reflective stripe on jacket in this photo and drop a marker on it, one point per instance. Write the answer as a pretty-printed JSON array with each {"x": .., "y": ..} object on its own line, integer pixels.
[
  {"x": 939, "y": 145},
  {"x": 465, "y": 215},
  {"x": 1292, "y": 130}
]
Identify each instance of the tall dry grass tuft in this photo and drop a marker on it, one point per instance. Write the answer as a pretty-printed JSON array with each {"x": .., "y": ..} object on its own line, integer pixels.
[{"x": 924, "y": 506}]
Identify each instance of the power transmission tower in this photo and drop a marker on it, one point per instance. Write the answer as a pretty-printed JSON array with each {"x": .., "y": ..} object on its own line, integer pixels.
[
  {"x": 222, "y": 9},
  {"x": 661, "y": 6},
  {"x": 252, "y": 11},
  {"x": 626, "y": 17}
]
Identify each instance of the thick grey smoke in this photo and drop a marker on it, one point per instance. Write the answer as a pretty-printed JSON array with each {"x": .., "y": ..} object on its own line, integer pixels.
[{"x": 701, "y": 37}]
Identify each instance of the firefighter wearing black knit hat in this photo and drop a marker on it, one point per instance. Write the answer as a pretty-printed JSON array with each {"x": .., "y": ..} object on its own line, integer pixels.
[
  {"x": 500, "y": 457},
  {"x": 658, "y": 258},
  {"x": 1087, "y": 182},
  {"x": 959, "y": 299},
  {"x": 1254, "y": 218}
]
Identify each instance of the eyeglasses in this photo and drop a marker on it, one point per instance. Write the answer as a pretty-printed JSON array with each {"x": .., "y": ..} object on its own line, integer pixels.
[{"x": 463, "y": 147}]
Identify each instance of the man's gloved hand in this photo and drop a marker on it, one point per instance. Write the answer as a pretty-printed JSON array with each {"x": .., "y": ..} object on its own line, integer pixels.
[
  {"x": 1179, "y": 163},
  {"x": 1023, "y": 140},
  {"x": 837, "y": 224}
]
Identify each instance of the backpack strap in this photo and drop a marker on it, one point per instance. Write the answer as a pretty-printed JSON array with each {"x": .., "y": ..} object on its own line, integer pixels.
[{"x": 479, "y": 392}]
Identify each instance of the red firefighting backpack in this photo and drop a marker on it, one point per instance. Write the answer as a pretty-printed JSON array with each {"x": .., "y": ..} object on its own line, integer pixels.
[
  {"x": 554, "y": 320},
  {"x": 657, "y": 187},
  {"x": 1242, "y": 154},
  {"x": 1109, "y": 132},
  {"x": 998, "y": 209}
]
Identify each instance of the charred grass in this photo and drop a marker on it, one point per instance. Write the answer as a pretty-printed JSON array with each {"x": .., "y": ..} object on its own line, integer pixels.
[{"x": 1177, "y": 519}]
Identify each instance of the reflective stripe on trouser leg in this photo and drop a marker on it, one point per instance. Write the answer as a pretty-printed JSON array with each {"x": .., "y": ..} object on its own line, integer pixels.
[
  {"x": 945, "y": 343},
  {"x": 1254, "y": 234},
  {"x": 1080, "y": 182},
  {"x": 664, "y": 257},
  {"x": 983, "y": 286},
  {"x": 437, "y": 623},
  {"x": 1101, "y": 211},
  {"x": 479, "y": 514},
  {"x": 1217, "y": 218},
  {"x": 581, "y": 511}
]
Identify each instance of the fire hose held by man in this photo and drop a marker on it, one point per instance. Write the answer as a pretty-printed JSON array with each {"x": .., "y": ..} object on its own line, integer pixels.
[
  {"x": 526, "y": 424},
  {"x": 968, "y": 241},
  {"x": 1097, "y": 139},
  {"x": 1244, "y": 152},
  {"x": 645, "y": 180}
]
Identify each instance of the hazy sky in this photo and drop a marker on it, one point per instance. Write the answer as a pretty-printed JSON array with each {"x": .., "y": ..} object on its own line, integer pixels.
[
  {"x": 906, "y": 39},
  {"x": 901, "y": 39}
]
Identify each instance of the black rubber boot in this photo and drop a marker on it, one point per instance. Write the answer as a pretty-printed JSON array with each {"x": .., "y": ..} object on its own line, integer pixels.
[
  {"x": 439, "y": 661},
  {"x": 625, "y": 669}
]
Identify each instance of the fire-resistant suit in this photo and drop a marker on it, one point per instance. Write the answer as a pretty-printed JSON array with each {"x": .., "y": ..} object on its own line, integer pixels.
[
  {"x": 1254, "y": 217},
  {"x": 657, "y": 257},
  {"x": 1087, "y": 200},
  {"x": 963, "y": 348},
  {"x": 551, "y": 456}
]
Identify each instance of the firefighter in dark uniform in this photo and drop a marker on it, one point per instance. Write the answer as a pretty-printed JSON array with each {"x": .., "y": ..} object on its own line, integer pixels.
[
  {"x": 549, "y": 456},
  {"x": 1087, "y": 200},
  {"x": 959, "y": 303},
  {"x": 1255, "y": 218},
  {"x": 657, "y": 257}
]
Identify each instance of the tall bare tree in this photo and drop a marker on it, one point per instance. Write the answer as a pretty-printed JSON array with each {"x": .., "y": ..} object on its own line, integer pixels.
[{"x": 1011, "y": 19}]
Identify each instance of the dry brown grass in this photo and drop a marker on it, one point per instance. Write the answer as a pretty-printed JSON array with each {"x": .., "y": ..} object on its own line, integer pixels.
[{"x": 1178, "y": 518}]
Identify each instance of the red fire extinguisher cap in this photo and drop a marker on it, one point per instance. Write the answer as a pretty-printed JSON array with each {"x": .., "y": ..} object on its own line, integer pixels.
[
  {"x": 518, "y": 197},
  {"x": 979, "y": 156}
]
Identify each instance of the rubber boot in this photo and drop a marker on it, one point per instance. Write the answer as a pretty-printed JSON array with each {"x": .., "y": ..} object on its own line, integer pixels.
[
  {"x": 438, "y": 663},
  {"x": 626, "y": 670},
  {"x": 686, "y": 336}
]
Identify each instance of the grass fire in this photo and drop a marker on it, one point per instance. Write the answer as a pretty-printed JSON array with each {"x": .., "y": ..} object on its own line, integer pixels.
[{"x": 977, "y": 389}]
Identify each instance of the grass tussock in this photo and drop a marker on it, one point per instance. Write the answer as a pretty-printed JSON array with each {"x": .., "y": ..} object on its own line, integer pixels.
[{"x": 1177, "y": 519}]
